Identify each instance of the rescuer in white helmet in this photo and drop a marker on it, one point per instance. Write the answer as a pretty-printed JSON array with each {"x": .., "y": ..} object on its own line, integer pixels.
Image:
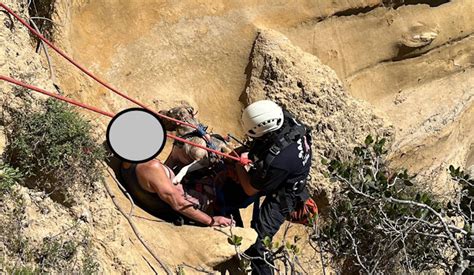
[{"x": 280, "y": 151}]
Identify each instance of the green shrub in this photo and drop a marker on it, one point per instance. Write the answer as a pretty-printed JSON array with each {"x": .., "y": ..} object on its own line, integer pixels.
[
  {"x": 54, "y": 148},
  {"x": 53, "y": 252},
  {"x": 11, "y": 236},
  {"x": 8, "y": 177},
  {"x": 381, "y": 222}
]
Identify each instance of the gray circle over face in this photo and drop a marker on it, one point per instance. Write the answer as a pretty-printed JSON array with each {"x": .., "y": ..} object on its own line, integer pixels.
[{"x": 136, "y": 135}]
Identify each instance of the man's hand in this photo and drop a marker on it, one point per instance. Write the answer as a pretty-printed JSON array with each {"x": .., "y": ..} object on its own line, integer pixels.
[
  {"x": 245, "y": 156},
  {"x": 222, "y": 221}
]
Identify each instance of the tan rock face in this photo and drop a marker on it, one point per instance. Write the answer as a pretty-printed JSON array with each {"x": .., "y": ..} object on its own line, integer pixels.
[
  {"x": 413, "y": 65},
  {"x": 116, "y": 247},
  {"x": 300, "y": 83},
  {"x": 161, "y": 52}
]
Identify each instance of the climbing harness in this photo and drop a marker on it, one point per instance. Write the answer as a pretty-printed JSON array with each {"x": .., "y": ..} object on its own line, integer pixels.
[
  {"x": 291, "y": 131},
  {"x": 109, "y": 87},
  {"x": 202, "y": 132}
]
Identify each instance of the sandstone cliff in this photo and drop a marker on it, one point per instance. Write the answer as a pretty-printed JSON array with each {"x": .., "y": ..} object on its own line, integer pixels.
[
  {"x": 402, "y": 69},
  {"x": 300, "y": 83}
]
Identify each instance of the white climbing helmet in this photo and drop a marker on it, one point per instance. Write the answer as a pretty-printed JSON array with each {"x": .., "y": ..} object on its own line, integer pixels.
[{"x": 262, "y": 117}]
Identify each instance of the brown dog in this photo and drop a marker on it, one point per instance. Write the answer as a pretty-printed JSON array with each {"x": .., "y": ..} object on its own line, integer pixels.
[{"x": 185, "y": 157}]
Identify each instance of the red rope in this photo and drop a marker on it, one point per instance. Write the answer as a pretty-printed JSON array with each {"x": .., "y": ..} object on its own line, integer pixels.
[
  {"x": 96, "y": 110},
  {"x": 63, "y": 98},
  {"x": 87, "y": 72},
  {"x": 103, "y": 83}
]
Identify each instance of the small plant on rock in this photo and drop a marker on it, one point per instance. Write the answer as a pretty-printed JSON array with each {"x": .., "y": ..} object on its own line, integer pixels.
[
  {"x": 9, "y": 176},
  {"x": 54, "y": 148},
  {"x": 284, "y": 253}
]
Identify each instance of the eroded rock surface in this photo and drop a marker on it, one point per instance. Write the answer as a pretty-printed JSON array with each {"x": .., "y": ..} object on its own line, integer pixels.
[{"x": 299, "y": 82}]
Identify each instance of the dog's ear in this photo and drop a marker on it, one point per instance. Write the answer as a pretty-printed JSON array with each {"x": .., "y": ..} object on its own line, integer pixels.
[
  {"x": 168, "y": 124},
  {"x": 190, "y": 110},
  {"x": 226, "y": 149}
]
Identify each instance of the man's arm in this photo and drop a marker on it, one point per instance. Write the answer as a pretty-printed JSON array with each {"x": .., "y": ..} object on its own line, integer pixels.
[
  {"x": 253, "y": 181},
  {"x": 244, "y": 180},
  {"x": 171, "y": 195}
]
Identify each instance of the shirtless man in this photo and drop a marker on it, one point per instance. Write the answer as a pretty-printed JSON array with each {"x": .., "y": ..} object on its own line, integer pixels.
[{"x": 156, "y": 178}]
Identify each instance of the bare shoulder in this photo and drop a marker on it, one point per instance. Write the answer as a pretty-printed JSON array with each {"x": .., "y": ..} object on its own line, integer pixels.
[
  {"x": 153, "y": 174},
  {"x": 151, "y": 165},
  {"x": 150, "y": 170}
]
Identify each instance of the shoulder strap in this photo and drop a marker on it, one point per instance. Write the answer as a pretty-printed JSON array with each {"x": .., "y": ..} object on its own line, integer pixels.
[
  {"x": 292, "y": 131},
  {"x": 185, "y": 136}
]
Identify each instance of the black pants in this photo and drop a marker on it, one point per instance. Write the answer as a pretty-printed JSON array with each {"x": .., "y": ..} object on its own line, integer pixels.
[
  {"x": 271, "y": 217},
  {"x": 231, "y": 197}
]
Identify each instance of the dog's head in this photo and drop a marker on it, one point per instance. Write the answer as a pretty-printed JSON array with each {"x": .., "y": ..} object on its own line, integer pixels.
[{"x": 183, "y": 113}]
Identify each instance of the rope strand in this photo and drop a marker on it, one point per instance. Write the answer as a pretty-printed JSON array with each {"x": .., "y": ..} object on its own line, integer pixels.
[
  {"x": 106, "y": 85},
  {"x": 97, "y": 110},
  {"x": 87, "y": 72}
]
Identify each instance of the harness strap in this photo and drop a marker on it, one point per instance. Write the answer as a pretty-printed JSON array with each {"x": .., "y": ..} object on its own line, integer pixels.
[
  {"x": 289, "y": 134},
  {"x": 292, "y": 193},
  {"x": 185, "y": 136},
  {"x": 200, "y": 131}
]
